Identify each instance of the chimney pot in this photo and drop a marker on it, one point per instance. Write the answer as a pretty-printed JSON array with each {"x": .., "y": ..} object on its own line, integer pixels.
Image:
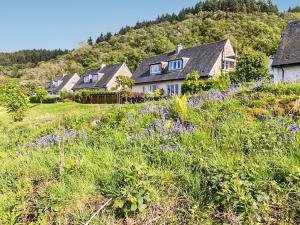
[{"x": 178, "y": 48}]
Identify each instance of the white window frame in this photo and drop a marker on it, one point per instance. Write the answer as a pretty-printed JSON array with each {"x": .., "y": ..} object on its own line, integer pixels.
[
  {"x": 88, "y": 79},
  {"x": 155, "y": 68},
  {"x": 226, "y": 66},
  {"x": 173, "y": 89},
  {"x": 153, "y": 88},
  {"x": 95, "y": 78},
  {"x": 175, "y": 64}
]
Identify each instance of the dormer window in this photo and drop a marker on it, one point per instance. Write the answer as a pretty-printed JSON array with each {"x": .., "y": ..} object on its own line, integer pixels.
[
  {"x": 155, "y": 69},
  {"x": 56, "y": 83},
  {"x": 95, "y": 78},
  {"x": 228, "y": 65},
  {"x": 175, "y": 65},
  {"x": 88, "y": 79}
]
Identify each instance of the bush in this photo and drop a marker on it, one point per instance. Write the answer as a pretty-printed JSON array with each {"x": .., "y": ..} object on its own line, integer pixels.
[
  {"x": 194, "y": 84},
  {"x": 47, "y": 100},
  {"x": 280, "y": 89},
  {"x": 14, "y": 98},
  {"x": 252, "y": 65},
  {"x": 41, "y": 94}
]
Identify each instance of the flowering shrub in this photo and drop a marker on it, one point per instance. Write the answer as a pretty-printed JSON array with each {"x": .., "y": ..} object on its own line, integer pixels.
[{"x": 219, "y": 157}]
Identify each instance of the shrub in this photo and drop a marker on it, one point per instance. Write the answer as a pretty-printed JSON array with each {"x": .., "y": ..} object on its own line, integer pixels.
[
  {"x": 252, "y": 65},
  {"x": 47, "y": 100},
  {"x": 191, "y": 83},
  {"x": 14, "y": 98},
  {"x": 194, "y": 84},
  {"x": 41, "y": 94}
]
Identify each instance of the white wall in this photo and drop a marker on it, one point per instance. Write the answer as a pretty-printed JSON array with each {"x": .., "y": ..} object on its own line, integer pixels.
[
  {"x": 161, "y": 85},
  {"x": 124, "y": 71},
  {"x": 68, "y": 87},
  {"x": 291, "y": 74}
]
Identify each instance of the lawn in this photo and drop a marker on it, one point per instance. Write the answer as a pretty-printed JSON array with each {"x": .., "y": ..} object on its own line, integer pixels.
[{"x": 218, "y": 158}]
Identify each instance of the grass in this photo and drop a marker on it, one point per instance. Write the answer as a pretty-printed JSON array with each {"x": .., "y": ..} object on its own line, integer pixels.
[{"x": 208, "y": 160}]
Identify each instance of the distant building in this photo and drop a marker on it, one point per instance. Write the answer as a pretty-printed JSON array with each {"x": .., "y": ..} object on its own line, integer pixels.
[
  {"x": 103, "y": 78},
  {"x": 286, "y": 63},
  {"x": 168, "y": 71},
  {"x": 62, "y": 83}
]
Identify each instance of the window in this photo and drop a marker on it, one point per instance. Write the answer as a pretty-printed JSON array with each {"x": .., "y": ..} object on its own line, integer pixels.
[
  {"x": 95, "y": 78},
  {"x": 173, "y": 89},
  {"x": 88, "y": 79},
  {"x": 57, "y": 83},
  {"x": 175, "y": 65},
  {"x": 155, "y": 69},
  {"x": 226, "y": 65},
  {"x": 144, "y": 89},
  {"x": 153, "y": 88}
]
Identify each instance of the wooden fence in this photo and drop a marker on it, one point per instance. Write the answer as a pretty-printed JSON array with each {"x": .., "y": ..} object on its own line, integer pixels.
[{"x": 116, "y": 98}]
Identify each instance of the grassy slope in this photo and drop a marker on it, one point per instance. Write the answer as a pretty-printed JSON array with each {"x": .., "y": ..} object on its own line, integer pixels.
[{"x": 237, "y": 166}]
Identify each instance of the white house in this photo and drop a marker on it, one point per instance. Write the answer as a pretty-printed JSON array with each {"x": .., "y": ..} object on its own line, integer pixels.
[
  {"x": 103, "y": 78},
  {"x": 168, "y": 71},
  {"x": 62, "y": 83},
  {"x": 286, "y": 63}
]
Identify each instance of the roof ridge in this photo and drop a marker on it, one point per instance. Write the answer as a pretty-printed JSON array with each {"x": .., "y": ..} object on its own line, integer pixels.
[{"x": 197, "y": 46}]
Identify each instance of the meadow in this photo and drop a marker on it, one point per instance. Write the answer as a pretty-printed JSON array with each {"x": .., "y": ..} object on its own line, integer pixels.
[{"x": 216, "y": 158}]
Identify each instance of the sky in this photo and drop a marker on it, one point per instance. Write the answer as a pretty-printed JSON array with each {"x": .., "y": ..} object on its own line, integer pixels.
[{"x": 53, "y": 24}]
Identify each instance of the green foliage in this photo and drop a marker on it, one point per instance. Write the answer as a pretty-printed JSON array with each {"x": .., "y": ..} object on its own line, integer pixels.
[
  {"x": 134, "y": 197},
  {"x": 194, "y": 84},
  {"x": 41, "y": 94},
  {"x": 64, "y": 94},
  {"x": 14, "y": 99},
  {"x": 280, "y": 89},
  {"x": 296, "y": 9},
  {"x": 86, "y": 92},
  {"x": 46, "y": 100},
  {"x": 32, "y": 57},
  {"x": 222, "y": 82},
  {"x": 180, "y": 108},
  {"x": 124, "y": 84},
  {"x": 252, "y": 65},
  {"x": 191, "y": 83},
  {"x": 236, "y": 161},
  {"x": 259, "y": 31}
]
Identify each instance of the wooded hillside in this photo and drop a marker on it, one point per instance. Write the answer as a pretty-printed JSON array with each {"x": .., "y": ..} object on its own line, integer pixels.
[{"x": 204, "y": 23}]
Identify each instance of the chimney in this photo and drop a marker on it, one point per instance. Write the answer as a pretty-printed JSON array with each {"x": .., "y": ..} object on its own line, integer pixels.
[
  {"x": 178, "y": 48},
  {"x": 102, "y": 66}
]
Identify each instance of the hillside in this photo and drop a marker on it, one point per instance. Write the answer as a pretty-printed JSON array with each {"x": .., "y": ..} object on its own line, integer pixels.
[
  {"x": 220, "y": 158},
  {"x": 260, "y": 31}
]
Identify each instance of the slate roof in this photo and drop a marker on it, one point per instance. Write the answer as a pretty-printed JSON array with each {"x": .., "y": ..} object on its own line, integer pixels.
[
  {"x": 288, "y": 52},
  {"x": 201, "y": 58},
  {"x": 108, "y": 72},
  {"x": 65, "y": 79}
]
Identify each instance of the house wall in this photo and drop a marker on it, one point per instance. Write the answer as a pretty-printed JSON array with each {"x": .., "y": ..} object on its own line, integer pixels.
[
  {"x": 124, "y": 70},
  {"x": 217, "y": 68},
  {"x": 161, "y": 85},
  {"x": 68, "y": 87},
  {"x": 291, "y": 74}
]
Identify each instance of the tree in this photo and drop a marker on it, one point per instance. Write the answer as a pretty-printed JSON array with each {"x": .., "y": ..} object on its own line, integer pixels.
[
  {"x": 191, "y": 84},
  {"x": 252, "y": 65},
  {"x": 14, "y": 99},
  {"x": 41, "y": 94},
  {"x": 124, "y": 84},
  {"x": 90, "y": 41}
]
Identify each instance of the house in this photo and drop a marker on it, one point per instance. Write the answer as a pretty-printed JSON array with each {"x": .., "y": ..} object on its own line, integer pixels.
[
  {"x": 62, "y": 83},
  {"x": 168, "y": 71},
  {"x": 103, "y": 78},
  {"x": 286, "y": 63}
]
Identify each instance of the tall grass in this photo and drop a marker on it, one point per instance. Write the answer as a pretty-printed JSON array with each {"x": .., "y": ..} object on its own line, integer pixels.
[{"x": 206, "y": 160}]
